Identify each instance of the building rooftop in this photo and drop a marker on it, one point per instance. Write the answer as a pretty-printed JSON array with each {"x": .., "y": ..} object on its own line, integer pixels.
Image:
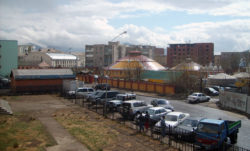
[
  {"x": 135, "y": 62},
  {"x": 42, "y": 73},
  {"x": 61, "y": 56}
]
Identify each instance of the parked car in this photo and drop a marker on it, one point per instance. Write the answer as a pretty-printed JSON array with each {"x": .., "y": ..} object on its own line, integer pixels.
[
  {"x": 163, "y": 103},
  {"x": 102, "y": 86},
  {"x": 4, "y": 82},
  {"x": 129, "y": 109},
  {"x": 114, "y": 104},
  {"x": 211, "y": 91},
  {"x": 103, "y": 96},
  {"x": 172, "y": 120},
  {"x": 156, "y": 113},
  {"x": 217, "y": 88},
  {"x": 197, "y": 97},
  {"x": 89, "y": 95},
  {"x": 81, "y": 92},
  {"x": 185, "y": 131}
]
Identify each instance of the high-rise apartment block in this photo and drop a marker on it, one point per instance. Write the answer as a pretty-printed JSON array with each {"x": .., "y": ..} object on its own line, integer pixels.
[{"x": 202, "y": 53}]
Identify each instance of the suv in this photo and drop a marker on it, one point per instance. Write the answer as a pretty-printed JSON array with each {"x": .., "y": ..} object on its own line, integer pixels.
[
  {"x": 114, "y": 104},
  {"x": 129, "y": 109},
  {"x": 102, "y": 86},
  {"x": 100, "y": 98},
  {"x": 81, "y": 92}
]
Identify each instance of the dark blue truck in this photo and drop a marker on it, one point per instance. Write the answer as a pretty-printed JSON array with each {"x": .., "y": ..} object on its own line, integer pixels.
[{"x": 211, "y": 133}]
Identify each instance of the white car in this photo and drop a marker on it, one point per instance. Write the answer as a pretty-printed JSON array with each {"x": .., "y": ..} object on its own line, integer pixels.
[
  {"x": 197, "y": 97},
  {"x": 173, "y": 119}
]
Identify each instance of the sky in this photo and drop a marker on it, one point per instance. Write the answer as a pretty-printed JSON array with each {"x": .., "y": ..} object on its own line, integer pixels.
[{"x": 71, "y": 24}]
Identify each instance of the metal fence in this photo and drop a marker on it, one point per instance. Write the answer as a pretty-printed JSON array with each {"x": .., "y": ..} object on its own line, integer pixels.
[{"x": 174, "y": 137}]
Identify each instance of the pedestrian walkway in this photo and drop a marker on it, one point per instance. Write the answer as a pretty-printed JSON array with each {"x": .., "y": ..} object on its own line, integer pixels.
[
  {"x": 5, "y": 108},
  {"x": 65, "y": 141}
]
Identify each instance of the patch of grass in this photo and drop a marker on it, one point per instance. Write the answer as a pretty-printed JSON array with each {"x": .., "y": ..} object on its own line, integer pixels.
[
  {"x": 95, "y": 135},
  {"x": 19, "y": 134}
]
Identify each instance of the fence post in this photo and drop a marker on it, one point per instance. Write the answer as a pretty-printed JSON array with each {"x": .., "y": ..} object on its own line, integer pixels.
[{"x": 169, "y": 141}]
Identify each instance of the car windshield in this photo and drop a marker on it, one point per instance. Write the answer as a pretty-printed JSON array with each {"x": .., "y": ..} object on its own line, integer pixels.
[
  {"x": 162, "y": 102},
  {"x": 127, "y": 105},
  {"x": 100, "y": 94},
  {"x": 95, "y": 93},
  {"x": 91, "y": 90},
  {"x": 151, "y": 112},
  {"x": 171, "y": 118},
  {"x": 119, "y": 97},
  {"x": 138, "y": 104},
  {"x": 82, "y": 90},
  {"x": 190, "y": 123},
  {"x": 211, "y": 89},
  {"x": 195, "y": 94},
  {"x": 208, "y": 128}
]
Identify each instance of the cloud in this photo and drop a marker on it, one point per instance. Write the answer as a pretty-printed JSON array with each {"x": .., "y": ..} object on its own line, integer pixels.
[{"x": 72, "y": 24}]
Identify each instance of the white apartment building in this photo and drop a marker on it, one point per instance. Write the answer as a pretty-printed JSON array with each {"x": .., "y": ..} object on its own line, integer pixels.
[
  {"x": 54, "y": 60},
  {"x": 62, "y": 60}
]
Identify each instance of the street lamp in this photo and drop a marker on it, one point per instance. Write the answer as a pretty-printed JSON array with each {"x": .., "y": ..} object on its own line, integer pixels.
[{"x": 118, "y": 35}]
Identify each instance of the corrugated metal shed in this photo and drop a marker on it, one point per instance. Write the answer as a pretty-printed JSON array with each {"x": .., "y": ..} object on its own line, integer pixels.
[
  {"x": 61, "y": 56},
  {"x": 42, "y": 74}
]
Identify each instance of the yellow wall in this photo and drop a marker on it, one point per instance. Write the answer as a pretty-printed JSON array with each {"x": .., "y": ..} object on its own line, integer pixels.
[
  {"x": 159, "y": 89},
  {"x": 151, "y": 88},
  {"x": 142, "y": 87},
  {"x": 135, "y": 86},
  {"x": 169, "y": 90},
  {"x": 121, "y": 84},
  {"x": 128, "y": 85}
]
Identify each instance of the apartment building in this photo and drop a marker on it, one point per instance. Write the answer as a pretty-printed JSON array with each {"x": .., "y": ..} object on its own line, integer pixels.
[
  {"x": 8, "y": 56},
  {"x": 201, "y": 53}
]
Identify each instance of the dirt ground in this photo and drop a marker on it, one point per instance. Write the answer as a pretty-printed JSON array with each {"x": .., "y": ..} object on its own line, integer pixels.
[{"x": 115, "y": 136}]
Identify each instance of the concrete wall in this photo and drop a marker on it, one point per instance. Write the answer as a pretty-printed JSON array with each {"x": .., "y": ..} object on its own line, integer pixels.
[
  {"x": 234, "y": 100},
  {"x": 248, "y": 105}
]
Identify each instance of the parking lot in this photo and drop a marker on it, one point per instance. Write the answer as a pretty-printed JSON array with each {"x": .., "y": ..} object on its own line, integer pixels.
[
  {"x": 205, "y": 109},
  {"x": 55, "y": 106}
]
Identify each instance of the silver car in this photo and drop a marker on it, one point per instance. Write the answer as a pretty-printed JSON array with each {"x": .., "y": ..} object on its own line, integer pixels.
[
  {"x": 197, "y": 97},
  {"x": 156, "y": 113}
]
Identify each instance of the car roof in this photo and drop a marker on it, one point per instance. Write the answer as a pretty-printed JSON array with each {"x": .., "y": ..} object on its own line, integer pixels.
[
  {"x": 161, "y": 100},
  {"x": 156, "y": 108},
  {"x": 84, "y": 88},
  {"x": 212, "y": 121},
  {"x": 175, "y": 113},
  {"x": 197, "y": 93},
  {"x": 132, "y": 101}
]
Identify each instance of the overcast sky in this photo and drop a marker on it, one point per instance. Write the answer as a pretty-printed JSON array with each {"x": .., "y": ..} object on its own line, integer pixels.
[{"x": 70, "y": 24}]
